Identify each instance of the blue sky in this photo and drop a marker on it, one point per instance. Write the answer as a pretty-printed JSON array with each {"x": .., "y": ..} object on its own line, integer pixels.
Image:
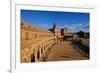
[{"x": 74, "y": 21}]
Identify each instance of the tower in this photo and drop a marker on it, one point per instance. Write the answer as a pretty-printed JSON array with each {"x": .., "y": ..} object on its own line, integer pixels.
[{"x": 54, "y": 25}]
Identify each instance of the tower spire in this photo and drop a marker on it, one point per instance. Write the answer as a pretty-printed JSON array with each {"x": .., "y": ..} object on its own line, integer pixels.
[{"x": 54, "y": 25}]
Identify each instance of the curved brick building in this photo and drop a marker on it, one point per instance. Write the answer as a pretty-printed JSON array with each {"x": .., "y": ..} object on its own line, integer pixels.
[{"x": 35, "y": 42}]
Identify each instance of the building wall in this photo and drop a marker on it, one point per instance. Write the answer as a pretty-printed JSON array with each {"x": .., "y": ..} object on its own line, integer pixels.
[
  {"x": 35, "y": 42},
  {"x": 57, "y": 33}
]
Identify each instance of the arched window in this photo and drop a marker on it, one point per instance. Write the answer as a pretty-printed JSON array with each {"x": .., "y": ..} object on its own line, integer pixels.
[
  {"x": 44, "y": 48},
  {"x": 27, "y": 36},
  {"x": 24, "y": 59},
  {"x": 32, "y": 58},
  {"x": 38, "y": 55},
  {"x": 41, "y": 50},
  {"x": 40, "y": 36},
  {"x": 35, "y": 36}
]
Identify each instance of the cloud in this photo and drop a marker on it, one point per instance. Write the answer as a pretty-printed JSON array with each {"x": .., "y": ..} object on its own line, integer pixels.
[{"x": 78, "y": 27}]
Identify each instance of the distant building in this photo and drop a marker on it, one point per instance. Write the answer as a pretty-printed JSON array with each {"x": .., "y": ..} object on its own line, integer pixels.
[
  {"x": 66, "y": 35},
  {"x": 64, "y": 32},
  {"x": 57, "y": 33}
]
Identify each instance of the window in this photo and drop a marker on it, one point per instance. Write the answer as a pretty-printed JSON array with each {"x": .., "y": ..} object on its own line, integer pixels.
[
  {"x": 32, "y": 58},
  {"x": 27, "y": 35},
  {"x": 38, "y": 54},
  {"x": 35, "y": 36},
  {"x": 41, "y": 51},
  {"x": 40, "y": 35},
  {"x": 44, "y": 48}
]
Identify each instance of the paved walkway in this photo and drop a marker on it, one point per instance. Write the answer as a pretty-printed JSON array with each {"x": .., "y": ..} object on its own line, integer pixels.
[{"x": 65, "y": 51}]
